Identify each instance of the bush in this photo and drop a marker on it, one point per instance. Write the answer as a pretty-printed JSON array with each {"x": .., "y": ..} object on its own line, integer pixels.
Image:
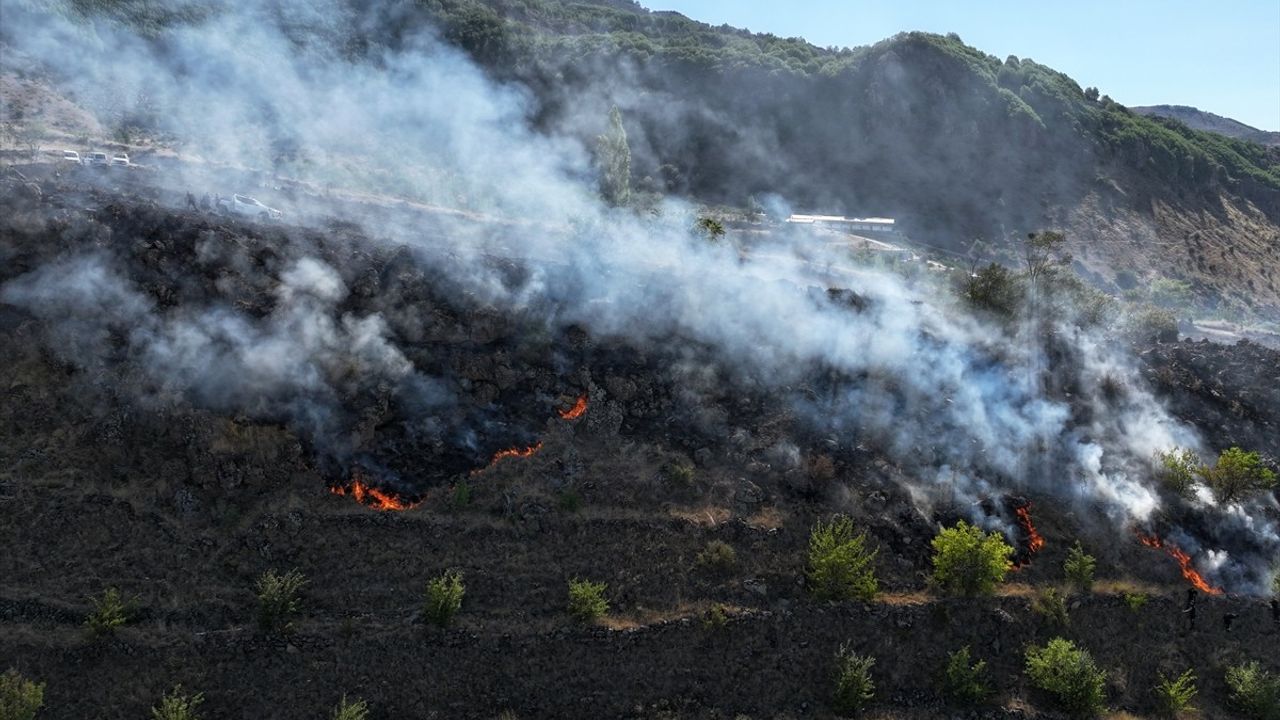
[
  {"x": 854, "y": 687},
  {"x": 994, "y": 289},
  {"x": 1051, "y": 605},
  {"x": 278, "y": 600},
  {"x": 717, "y": 555},
  {"x": 444, "y": 598},
  {"x": 1079, "y": 568},
  {"x": 586, "y": 600},
  {"x": 1173, "y": 697},
  {"x": 1135, "y": 600},
  {"x": 680, "y": 472},
  {"x": 110, "y": 612},
  {"x": 1177, "y": 468},
  {"x": 1152, "y": 323},
  {"x": 1068, "y": 673},
  {"x": 1236, "y": 474},
  {"x": 177, "y": 705},
  {"x": 20, "y": 698},
  {"x": 1255, "y": 692},
  {"x": 968, "y": 561},
  {"x": 840, "y": 565},
  {"x": 460, "y": 496},
  {"x": 964, "y": 681},
  {"x": 716, "y": 617},
  {"x": 569, "y": 500},
  {"x": 350, "y": 710}
]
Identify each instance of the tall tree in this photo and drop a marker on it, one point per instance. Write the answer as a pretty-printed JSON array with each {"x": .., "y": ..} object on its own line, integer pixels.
[{"x": 614, "y": 155}]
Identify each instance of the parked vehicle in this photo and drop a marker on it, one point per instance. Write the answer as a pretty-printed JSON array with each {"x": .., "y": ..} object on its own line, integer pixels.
[
  {"x": 120, "y": 160},
  {"x": 97, "y": 158},
  {"x": 245, "y": 205},
  {"x": 71, "y": 156}
]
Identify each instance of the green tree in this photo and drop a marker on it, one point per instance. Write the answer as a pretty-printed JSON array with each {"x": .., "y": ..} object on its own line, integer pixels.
[
  {"x": 968, "y": 561},
  {"x": 1177, "y": 468},
  {"x": 443, "y": 598},
  {"x": 279, "y": 600},
  {"x": 20, "y": 698},
  {"x": 1254, "y": 691},
  {"x": 1236, "y": 474},
  {"x": 1079, "y": 567},
  {"x": 177, "y": 705},
  {"x": 963, "y": 680},
  {"x": 1174, "y": 696},
  {"x": 1044, "y": 253},
  {"x": 854, "y": 686},
  {"x": 841, "y": 567},
  {"x": 350, "y": 710},
  {"x": 711, "y": 228},
  {"x": 613, "y": 153},
  {"x": 586, "y": 600},
  {"x": 110, "y": 612},
  {"x": 994, "y": 289},
  {"x": 1067, "y": 673}
]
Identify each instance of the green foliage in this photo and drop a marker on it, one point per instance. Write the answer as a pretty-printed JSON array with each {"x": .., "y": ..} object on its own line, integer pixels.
[
  {"x": 350, "y": 710},
  {"x": 1051, "y": 604},
  {"x": 964, "y": 681},
  {"x": 854, "y": 686},
  {"x": 711, "y": 228},
  {"x": 110, "y": 612},
  {"x": 278, "y": 600},
  {"x": 443, "y": 598},
  {"x": 569, "y": 500},
  {"x": 715, "y": 618},
  {"x": 718, "y": 555},
  {"x": 613, "y": 153},
  {"x": 1177, "y": 468},
  {"x": 841, "y": 567},
  {"x": 1044, "y": 254},
  {"x": 680, "y": 472},
  {"x": 1170, "y": 293},
  {"x": 177, "y": 705},
  {"x": 994, "y": 289},
  {"x": 1237, "y": 474},
  {"x": 1174, "y": 696},
  {"x": 20, "y": 698},
  {"x": 968, "y": 561},
  {"x": 1150, "y": 323},
  {"x": 1069, "y": 674},
  {"x": 460, "y": 496},
  {"x": 1135, "y": 601},
  {"x": 1254, "y": 691},
  {"x": 586, "y": 600},
  {"x": 1079, "y": 567}
]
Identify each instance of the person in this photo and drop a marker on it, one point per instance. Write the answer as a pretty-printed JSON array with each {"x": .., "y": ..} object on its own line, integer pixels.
[
  {"x": 1275, "y": 613},
  {"x": 191, "y": 201},
  {"x": 1228, "y": 619},
  {"x": 204, "y": 202},
  {"x": 1190, "y": 609}
]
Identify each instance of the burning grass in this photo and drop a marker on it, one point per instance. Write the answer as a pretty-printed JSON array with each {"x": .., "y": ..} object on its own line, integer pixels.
[{"x": 1184, "y": 561}]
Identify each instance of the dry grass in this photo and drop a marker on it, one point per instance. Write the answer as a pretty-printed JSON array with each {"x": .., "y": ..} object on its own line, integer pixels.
[
  {"x": 702, "y": 516},
  {"x": 768, "y": 518}
]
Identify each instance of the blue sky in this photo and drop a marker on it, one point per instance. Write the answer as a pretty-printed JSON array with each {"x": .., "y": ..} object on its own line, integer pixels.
[{"x": 1223, "y": 56}]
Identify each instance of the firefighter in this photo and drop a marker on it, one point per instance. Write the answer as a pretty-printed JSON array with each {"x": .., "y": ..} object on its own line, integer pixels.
[
  {"x": 1190, "y": 609},
  {"x": 191, "y": 201},
  {"x": 204, "y": 202},
  {"x": 1275, "y": 613},
  {"x": 1228, "y": 619}
]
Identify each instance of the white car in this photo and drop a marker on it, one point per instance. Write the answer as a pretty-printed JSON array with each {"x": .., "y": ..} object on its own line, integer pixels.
[
  {"x": 71, "y": 156},
  {"x": 245, "y": 205},
  {"x": 120, "y": 160},
  {"x": 97, "y": 158}
]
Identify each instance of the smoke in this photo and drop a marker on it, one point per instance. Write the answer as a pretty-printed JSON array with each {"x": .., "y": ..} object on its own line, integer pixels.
[{"x": 269, "y": 89}]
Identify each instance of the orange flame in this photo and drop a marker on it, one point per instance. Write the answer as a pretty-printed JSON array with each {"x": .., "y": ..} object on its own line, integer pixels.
[
  {"x": 1035, "y": 541},
  {"x": 510, "y": 452},
  {"x": 373, "y": 497},
  {"x": 579, "y": 408},
  {"x": 1184, "y": 560}
]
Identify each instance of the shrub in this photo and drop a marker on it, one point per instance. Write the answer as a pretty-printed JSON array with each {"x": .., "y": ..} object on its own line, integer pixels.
[
  {"x": 964, "y": 681},
  {"x": 444, "y": 598},
  {"x": 177, "y": 705},
  {"x": 711, "y": 228},
  {"x": 20, "y": 698},
  {"x": 278, "y": 600},
  {"x": 680, "y": 472},
  {"x": 1177, "y": 468},
  {"x": 840, "y": 565},
  {"x": 1068, "y": 673},
  {"x": 968, "y": 561},
  {"x": 460, "y": 496},
  {"x": 586, "y": 600},
  {"x": 1051, "y": 605},
  {"x": 569, "y": 500},
  {"x": 717, "y": 555},
  {"x": 1135, "y": 600},
  {"x": 1079, "y": 568},
  {"x": 1153, "y": 323},
  {"x": 994, "y": 289},
  {"x": 110, "y": 611},
  {"x": 1173, "y": 697},
  {"x": 1255, "y": 692},
  {"x": 350, "y": 710},
  {"x": 716, "y": 617},
  {"x": 854, "y": 687},
  {"x": 1237, "y": 473}
]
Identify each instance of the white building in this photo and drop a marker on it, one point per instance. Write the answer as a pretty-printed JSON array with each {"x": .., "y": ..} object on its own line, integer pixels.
[{"x": 837, "y": 222}]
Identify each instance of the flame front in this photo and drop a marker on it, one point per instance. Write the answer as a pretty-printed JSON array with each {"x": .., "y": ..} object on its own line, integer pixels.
[
  {"x": 579, "y": 408},
  {"x": 1184, "y": 560},
  {"x": 1035, "y": 541},
  {"x": 373, "y": 497},
  {"x": 510, "y": 452}
]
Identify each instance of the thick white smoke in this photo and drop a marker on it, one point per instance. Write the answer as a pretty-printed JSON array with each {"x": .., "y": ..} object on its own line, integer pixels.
[{"x": 941, "y": 392}]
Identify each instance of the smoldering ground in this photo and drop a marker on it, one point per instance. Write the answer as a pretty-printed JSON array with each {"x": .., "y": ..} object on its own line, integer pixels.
[{"x": 943, "y": 393}]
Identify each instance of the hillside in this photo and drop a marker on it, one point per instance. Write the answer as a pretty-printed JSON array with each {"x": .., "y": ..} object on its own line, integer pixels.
[{"x": 1197, "y": 119}]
